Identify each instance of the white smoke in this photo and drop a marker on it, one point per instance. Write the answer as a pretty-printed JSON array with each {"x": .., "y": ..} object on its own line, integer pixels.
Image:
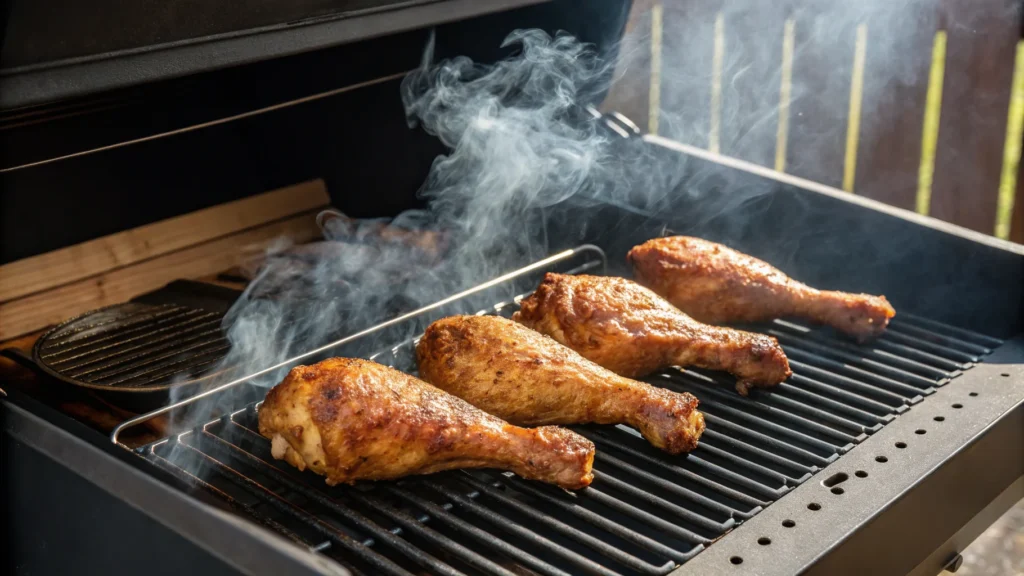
[{"x": 520, "y": 143}]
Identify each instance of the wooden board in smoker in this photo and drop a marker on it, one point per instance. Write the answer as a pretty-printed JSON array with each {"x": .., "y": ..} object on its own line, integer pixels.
[{"x": 43, "y": 290}]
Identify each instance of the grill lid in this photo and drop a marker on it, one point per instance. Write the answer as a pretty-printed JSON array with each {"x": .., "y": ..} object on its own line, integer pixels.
[{"x": 115, "y": 45}]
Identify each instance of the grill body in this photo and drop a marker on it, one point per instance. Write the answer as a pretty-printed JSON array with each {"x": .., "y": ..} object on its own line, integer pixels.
[
  {"x": 764, "y": 466},
  {"x": 812, "y": 479}
]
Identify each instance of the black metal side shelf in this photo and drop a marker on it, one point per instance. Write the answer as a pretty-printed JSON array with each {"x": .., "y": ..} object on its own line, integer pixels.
[{"x": 646, "y": 512}]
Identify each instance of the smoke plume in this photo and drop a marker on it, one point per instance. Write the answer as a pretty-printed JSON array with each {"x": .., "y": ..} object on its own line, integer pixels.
[{"x": 522, "y": 143}]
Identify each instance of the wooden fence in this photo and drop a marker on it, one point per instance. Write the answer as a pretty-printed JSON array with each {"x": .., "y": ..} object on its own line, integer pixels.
[{"x": 915, "y": 103}]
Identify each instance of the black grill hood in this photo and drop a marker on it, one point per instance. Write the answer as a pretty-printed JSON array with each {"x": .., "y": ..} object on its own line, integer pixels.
[
  {"x": 151, "y": 113},
  {"x": 59, "y": 49}
]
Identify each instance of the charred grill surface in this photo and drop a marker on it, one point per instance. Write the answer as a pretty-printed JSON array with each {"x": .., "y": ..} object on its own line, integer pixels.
[{"x": 645, "y": 513}]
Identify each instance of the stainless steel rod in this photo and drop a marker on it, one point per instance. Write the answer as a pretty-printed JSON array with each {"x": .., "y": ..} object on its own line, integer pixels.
[
  {"x": 225, "y": 120},
  {"x": 291, "y": 361}
]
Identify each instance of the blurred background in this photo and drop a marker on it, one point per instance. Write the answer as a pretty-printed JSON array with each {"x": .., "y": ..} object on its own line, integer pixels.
[{"x": 918, "y": 104}]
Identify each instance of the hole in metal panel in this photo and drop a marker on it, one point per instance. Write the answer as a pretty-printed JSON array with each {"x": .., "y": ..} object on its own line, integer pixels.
[
  {"x": 958, "y": 406},
  {"x": 837, "y": 490},
  {"x": 736, "y": 560},
  {"x": 835, "y": 479},
  {"x": 881, "y": 459},
  {"x": 764, "y": 541},
  {"x": 1005, "y": 375},
  {"x": 860, "y": 474},
  {"x": 920, "y": 431},
  {"x": 901, "y": 444},
  {"x": 788, "y": 523},
  {"x": 973, "y": 394},
  {"x": 814, "y": 506},
  {"x": 939, "y": 418}
]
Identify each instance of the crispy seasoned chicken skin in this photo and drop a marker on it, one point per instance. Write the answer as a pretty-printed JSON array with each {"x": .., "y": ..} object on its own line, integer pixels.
[
  {"x": 351, "y": 419},
  {"x": 632, "y": 331},
  {"x": 529, "y": 379},
  {"x": 718, "y": 285}
]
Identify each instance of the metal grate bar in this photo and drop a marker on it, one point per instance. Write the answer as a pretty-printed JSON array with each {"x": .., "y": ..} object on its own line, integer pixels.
[
  {"x": 148, "y": 364},
  {"x": 771, "y": 444},
  {"x": 827, "y": 416},
  {"x": 130, "y": 328},
  {"x": 414, "y": 553},
  {"x": 897, "y": 337},
  {"x": 868, "y": 353},
  {"x": 592, "y": 494},
  {"x": 337, "y": 537},
  {"x": 478, "y": 535},
  {"x": 494, "y": 492},
  {"x": 666, "y": 486},
  {"x": 198, "y": 484},
  {"x": 607, "y": 480},
  {"x": 189, "y": 368},
  {"x": 145, "y": 334},
  {"x": 797, "y": 427},
  {"x": 518, "y": 530},
  {"x": 854, "y": 379},
  {"x": 858, "y": 360},
  {"x": 755, "y": 459},
  {"x": 610, "y": 445},
  {"x": 952, "y": 331},
  {"x": 413, "y": 526},
  {"x": 591, "y": 517},
  {"x": 176, "y": 361},
  {"x": 142, "y": 355},
  {"x": 934, "y": 337},
  {"x": 724, "y": 508},
  {"x": 855, "y": 413},
  {"x": 924, "y": 356},
  {"x": 67, "y": 335}
]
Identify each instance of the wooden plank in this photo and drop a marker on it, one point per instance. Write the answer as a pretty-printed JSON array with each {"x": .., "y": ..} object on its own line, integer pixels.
[
  {"x": 1017, "y": 218},
  {"x": 982, "y": 41},
  {"x": 74, "y": 263},
  {"x": 629, "y": 93},
  {"x": 751, "y": 77},
  {"x": 820, "y": 95},
  {"x": 687, "y": 70},
  {"x": 894, "y": 98},
  {"x": 33, "y": 312},
  {"x": 1009, "y": 181}
]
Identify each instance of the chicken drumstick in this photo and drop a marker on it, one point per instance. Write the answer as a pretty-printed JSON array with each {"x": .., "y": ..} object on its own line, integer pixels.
[
  {"x": 719, "y": 285},
  {"x": 529, "y": 379},
  {"x": 352, "y": 419},
  {"x": 632, "y": 331}
]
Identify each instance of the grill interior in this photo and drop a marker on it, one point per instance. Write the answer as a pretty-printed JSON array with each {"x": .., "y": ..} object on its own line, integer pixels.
[{"x": 645, "y": 513}]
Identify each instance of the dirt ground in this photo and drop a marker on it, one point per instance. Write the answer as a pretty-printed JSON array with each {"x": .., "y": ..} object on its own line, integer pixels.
[{"x": 999, "y": 551}]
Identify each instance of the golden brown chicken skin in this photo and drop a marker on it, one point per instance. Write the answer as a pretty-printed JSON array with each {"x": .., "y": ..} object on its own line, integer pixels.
[
  {"x": 529, "y": 379},
  {"x": 632, "y": 331},
  {"x": 718, "y": 285},
  {"x": 351, "y": 419}
]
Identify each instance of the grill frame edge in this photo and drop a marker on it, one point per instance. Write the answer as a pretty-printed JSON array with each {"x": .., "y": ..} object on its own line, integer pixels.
[{"x": 911, "y": 514}]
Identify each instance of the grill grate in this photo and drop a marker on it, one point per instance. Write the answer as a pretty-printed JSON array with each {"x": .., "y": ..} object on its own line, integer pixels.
[
  {"x": 645, "y": 513},
  {"x": 135, "y": 346}
]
